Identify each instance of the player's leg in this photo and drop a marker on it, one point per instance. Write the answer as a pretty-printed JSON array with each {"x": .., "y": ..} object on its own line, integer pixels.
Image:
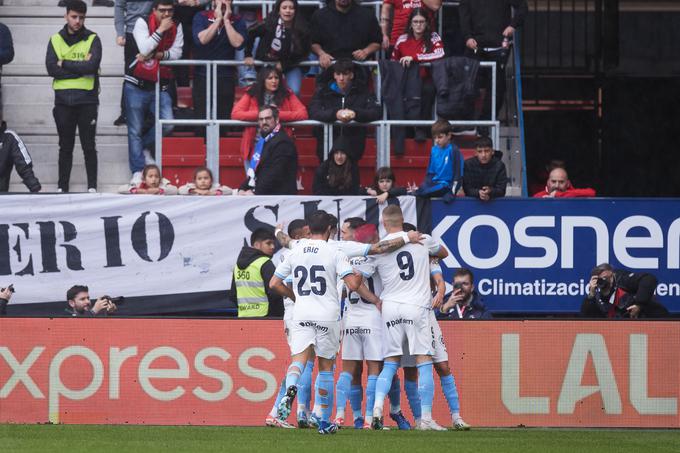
[
  {"x": 393, "y": 338},
  {"x": 303, "y": 339},
  {"x": 411, "y": 389},
  {"x": 448, "y": 384},
  {"x": 356, "y": 393},
  {"x": 272, "y": 419},
  {"x": 343, "y": 388},
  {"x": 373, "y": 369},
  {"x": 327, "y": 345},
  {"x": 304, "y": 392}
]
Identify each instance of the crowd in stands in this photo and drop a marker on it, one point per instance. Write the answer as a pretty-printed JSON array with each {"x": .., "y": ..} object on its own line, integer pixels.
[{"x": 340, "y": 35}]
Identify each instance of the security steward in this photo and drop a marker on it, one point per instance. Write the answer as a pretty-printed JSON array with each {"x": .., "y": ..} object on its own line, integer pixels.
[
  {"x": 73, "y": 58},
  {"x": 253, "y": 270}
]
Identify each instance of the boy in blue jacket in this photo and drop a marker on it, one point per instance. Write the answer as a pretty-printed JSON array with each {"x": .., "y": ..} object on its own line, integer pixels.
[{"x": 445, "y": 170}]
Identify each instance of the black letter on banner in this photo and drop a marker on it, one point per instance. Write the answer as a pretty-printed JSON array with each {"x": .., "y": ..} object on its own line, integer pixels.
[
  {"x": 253, "y": 224},
  {"x": 139, "y": 242},
  {"x": 5, "y": 267},
  {"x": 310, "y": 207},
  {"x": 73, "y": 260},
  {"x": 28, "y": 270},
  {"x": 112, "y": 239},
  {"x": 372, "y": 211}
]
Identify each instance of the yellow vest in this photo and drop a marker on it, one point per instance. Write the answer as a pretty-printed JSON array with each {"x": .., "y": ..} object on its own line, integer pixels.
[
  {"x": 76, "y": 52},
  {"x": 251, "y": 297}
]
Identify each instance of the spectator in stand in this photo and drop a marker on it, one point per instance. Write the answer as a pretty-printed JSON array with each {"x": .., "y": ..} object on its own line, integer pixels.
[
  {"x": 269, "y": 89},
  {"x": 217, "y": 35},
  {"x": 155, "y": 39},
  {"x": 338, "y": 175},
  {"x": 344, "y": 29},
  {"x": 445, "y": 169},
  {"x": 73, "y": 58},
  {"x": 6, "y": 53},
  {"x": 13, "y": 154},
  {"x": 559, "y": 186},
  {"x": 185, "y": 10},
  {"x": 108, "y": 3},
  {"x": 272, "y": 168},
  {"x": 5, "y": 296},
  {"x": 420, "y": 44},
  {"x": 464, "y": 302},
  {"x": 397, "y": 12},
  {"x": 345, "y": 97},
  {"x": 152, "y": 183},
  {"x": 284, "y": 40},
  {"x": 249, "y": 284},
  {"x": 484, "y": 176},
  {"x": 488, "y": 27},
  {"x": 383, "y": 186},
  {"x": 125, "y": 15},
  {"x": 204, "y": 184},
  {"x": 79, "y": 303},
  {"x": 618, "y": 293}
]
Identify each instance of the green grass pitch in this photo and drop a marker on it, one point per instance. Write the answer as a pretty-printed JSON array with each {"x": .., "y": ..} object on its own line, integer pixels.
[{"x": 147, "y": 439}]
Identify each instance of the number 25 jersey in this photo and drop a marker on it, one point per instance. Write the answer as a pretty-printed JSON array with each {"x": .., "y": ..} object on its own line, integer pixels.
[{"x": 315, "y": 267}]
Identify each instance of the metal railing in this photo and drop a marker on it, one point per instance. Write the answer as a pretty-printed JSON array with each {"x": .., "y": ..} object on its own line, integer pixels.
[{"x": 212, "y": 123}]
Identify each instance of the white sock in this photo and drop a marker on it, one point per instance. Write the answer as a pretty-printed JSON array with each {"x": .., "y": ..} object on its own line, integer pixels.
[{"x": 340, "y": 413}]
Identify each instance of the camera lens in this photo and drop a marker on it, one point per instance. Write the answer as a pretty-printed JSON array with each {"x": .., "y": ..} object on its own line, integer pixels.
[
  {"x": 457, "y": 286},
  {"x": 602, "y": 283}
]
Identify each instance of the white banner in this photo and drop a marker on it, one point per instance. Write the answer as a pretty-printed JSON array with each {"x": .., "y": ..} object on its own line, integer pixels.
[{"x": 142, "y": 245}]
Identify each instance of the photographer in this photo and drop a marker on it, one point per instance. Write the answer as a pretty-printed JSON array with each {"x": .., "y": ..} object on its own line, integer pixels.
[
  {"x": 5, "y": 296},
  {"x": 621, "y": 294},
  {"x": 464, "y": 302},
  {"x": 79, "y": 302}
]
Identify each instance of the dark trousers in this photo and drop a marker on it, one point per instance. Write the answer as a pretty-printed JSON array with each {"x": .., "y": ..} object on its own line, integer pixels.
[
  {"x": 129, "y": 57},
  {"x": 484, "y": 79},
  {"x": 225, "y": 99},
  {"x": 67, "y": 118}
]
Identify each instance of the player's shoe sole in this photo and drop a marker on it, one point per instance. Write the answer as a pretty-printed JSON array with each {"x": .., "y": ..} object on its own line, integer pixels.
[
  {"x": 284, "y": 409},
  {"x": 401, "y": 421}
]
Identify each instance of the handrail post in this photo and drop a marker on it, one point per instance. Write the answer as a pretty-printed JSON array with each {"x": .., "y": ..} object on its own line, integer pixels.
[{"x": 158, "y": 128}]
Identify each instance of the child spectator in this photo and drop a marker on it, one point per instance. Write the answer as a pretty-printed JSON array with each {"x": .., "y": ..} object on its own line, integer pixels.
[
  {"x": 445, "y": 169},
  {"x": 203, "y": 184},
  {"x": 485, "y": 175},
  {"x": 152, "y": 183},
  {"x": 269, "y": 89},
  {"x": 383, "y": 186},
  {"x": 338, "y": 175}
]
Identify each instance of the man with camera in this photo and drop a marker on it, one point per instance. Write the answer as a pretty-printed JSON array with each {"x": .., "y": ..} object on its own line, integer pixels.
[
  {"x": 80, "y": 305},
  {"x": 464, "y": 302},
  {"x": 616, "y": 293},
  {"x": 5, "y": 296}
]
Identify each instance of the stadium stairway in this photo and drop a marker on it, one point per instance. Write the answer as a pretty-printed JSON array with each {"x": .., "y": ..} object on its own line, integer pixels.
[{"x": 28, "y": 97}]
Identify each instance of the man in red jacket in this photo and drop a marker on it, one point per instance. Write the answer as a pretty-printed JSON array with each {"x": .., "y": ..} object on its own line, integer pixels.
[{"x": 559, "y": 186}]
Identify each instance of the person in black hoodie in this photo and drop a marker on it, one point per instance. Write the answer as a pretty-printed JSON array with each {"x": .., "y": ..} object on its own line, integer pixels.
[
  {"x": 342, "y": 95},
  {"x": 72, "y": 59},
  {"x": 13, "y": 153},
  {"x": 252, "y": 273},
  {"x": 484, "y": 175},
  {"x": 338, "y": 175}
]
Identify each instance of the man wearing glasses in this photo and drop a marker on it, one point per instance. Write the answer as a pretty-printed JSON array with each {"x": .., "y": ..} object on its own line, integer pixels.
[
  {"x": 273, "y": 168},
  {"x": 156, "y": 38}
]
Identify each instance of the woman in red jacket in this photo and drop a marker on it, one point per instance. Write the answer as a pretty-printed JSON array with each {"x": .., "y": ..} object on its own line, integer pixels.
[
  {"x": 420, "y": 44},
  {"x": 269, "y": 89}
]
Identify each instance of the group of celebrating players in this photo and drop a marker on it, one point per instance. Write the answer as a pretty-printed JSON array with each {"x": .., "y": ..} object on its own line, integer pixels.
[{"x": 385, "y": 289}]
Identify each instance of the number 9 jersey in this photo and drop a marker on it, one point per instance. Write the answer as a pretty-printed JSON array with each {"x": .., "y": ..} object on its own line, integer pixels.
[
  {"x": 405, "y": 273},
  {"x": 315, "y": 267}
]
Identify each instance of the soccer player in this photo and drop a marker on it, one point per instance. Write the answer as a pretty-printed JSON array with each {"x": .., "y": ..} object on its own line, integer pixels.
[
  {"x": 297, "y": 229},
  {"x": 406, "y": 297},
  {"x": 315, "y": 266}
]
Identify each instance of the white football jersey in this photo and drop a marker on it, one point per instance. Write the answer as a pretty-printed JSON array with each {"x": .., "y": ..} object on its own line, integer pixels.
[
  {"x": 288, "y": 303},
  {"x": 405, "y": 273},
  {"x": 315, "y": 267},
  {"x": 357, "y": 311},
  {"x": 352, "y": 248}
]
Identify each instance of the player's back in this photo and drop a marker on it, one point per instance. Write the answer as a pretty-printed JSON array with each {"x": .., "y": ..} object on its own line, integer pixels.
[
  {"x": 357, "y": 310},
  {"x": 405, "y": 274},
  {"x": 315, "y": 266}
]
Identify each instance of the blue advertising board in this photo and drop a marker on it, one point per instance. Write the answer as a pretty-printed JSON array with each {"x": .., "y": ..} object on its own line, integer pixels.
[{"x": 535, "y": 255}]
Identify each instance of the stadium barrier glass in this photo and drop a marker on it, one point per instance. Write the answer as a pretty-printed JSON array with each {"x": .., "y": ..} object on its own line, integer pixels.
[{"x": 227, "y": 372}]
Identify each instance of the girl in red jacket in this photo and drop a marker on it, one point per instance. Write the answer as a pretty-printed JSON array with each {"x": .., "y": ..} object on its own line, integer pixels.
[{"x": 269, "y": 89}]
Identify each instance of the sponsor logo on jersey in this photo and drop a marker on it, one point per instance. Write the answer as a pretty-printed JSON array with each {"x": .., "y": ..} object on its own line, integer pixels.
[
  {"x": 398, "y": 321},
  {"x": 313, "y": 324},
  {"x": 358, "y": 331}
]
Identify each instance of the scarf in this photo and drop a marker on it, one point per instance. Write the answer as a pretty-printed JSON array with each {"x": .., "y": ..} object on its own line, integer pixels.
[
  {"x": 277, "y": 42},
  {"x": 167, "y": 40},
  {"x": 257, "y": 155}
]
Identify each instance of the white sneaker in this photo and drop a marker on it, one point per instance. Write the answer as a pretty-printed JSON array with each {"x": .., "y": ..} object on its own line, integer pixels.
[
  {"x": 59, "y": 190},
  {"x": 460, "y": 425},
  {"x": 429, "y": 425},
  {"x": 136, "y": 178},
  {"x": 148, "y": 158},
  {"x": 91, "y": 190}
]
